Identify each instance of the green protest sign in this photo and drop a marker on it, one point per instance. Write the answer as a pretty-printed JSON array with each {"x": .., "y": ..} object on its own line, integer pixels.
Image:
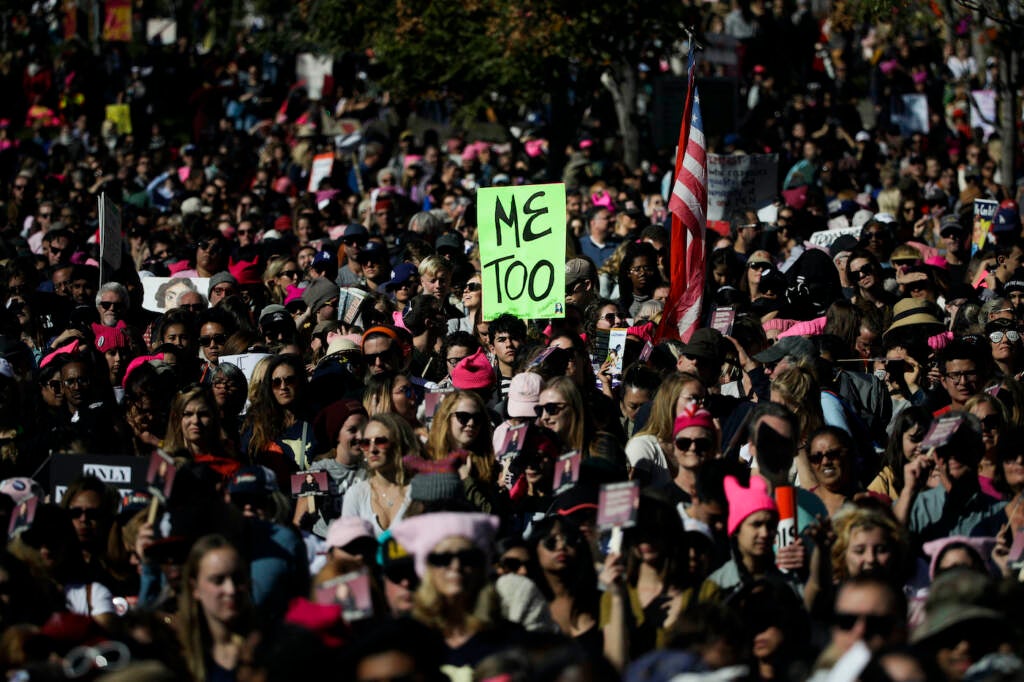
[{"x": 522, "y": 250}]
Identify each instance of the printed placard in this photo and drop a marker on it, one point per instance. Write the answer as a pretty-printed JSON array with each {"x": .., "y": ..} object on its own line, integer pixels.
[
  {"x": 617, "y": 505},
  {"x": 160, "y": 475},
  {"x": 567, "y": 471},
  {"x": 351, "y": 591},
  {"x": 122, "y": 472},
  {"x": 160, "y": 294},
  {"x": 984, "y": 212},
  {"x": 941, "y": 431},
  {"x": 616, "y": 346},
  {"x": 309, "y": 483},
  {"x": 22, "y": 517},
  {"x": 722, "y": 320},
  {"x": 522, "y": 250}
]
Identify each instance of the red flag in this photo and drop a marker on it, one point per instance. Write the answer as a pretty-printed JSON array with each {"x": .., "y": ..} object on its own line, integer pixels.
[{"x": 688, "y": 204}]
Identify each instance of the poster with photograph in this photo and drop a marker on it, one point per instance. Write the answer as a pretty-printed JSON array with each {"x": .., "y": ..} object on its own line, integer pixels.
[
  {"x": 308, "y": 483},
  {"x": 617, "y": 505},
  {"x": 160, "y": 475},
  {"x": 567, "y": 470},
  {"x": 160, "y": 294},
  {"x": 351, "y": 591},
  {"x": 22, "y": 517}
]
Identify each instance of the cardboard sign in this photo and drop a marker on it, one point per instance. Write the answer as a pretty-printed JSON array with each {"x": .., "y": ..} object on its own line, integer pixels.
[
  {"x": 984, "y": 212},
  {"x": 567, "y": 471},
  {"x": 983, "y": 111},
  {"x": 121, "y": 116},
  {"x": 747, "y": 181},
  {"x": 722, "y": 319},
  {"x": 616, "y": 346},
  {"x": 941, "y": 431},
  {"x": 160, "y": 294},
  {"x": 308, "y": 483},
  {"x": 351, "y": 591},
  {"x": 350, "y": 303},
  {"x": 110, "y": 233},
  {"x": 125, "y": 473},
  {"x": 617, "y": 505},
  {"x": 244, "y": 361},
  {"x": 522, "y": 250}
]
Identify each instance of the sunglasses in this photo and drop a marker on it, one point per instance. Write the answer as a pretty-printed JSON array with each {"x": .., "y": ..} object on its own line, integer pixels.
[
  {"x": 281, "y": 382},
  {"x": 473, "y": 286},
  {"x": 511, "y": 564},
  {"x": 760, "y": 266},
  {"x": 466, "y": 557},
  {"x": 877, "y": 236},
  {"x": 400, "y": 571},
  {"x": 873, "y": 625},
  {"x": 206, "y": 245},
  {"x": 550, "y": 408},
  {"x": 464, "y": 418},
  {"x": 90, "y": 514},
  {"x": 1010, "y": 336},
  {"x": 378, "y": 441},
  {"x": 862, "y": 273},
  {"x": 990, "y": 423},
  {"x": 54, "y": 386},
  {"x": 701, "y": 445},
  {"x": 611, "y": 318},
  {"x": 552, "y": 541},
  {"x": 290, "y": 274},
  {"x": 116, "y": 305},
  {"x": 831, "y": 455},
  {"x": 371, "y": 358},
  {"x": 355, "y": 242},
  {"x": 218, "y": 339}
]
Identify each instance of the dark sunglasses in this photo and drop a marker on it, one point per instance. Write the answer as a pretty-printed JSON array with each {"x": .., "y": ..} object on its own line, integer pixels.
[
  {"x": 466, "y": 557},
  {"x": 611, "y": 318},
  {"x": 862, "y": 273},
  {"x": 207, "y": 245},
  {"x": 281, "y": 382},
  {"x": 831, "y": 455},
  {"x": 379, "y": 441},
  {"x": 551, "y": 542},
  {"x": 701, "y": 445},
  {"x": 550, "y": 408},
  {"x": 107, "y": 305},
  {"x": 990, "y": 423},
  {"x": 54, "y": 385},
  {"x": 290, "y": 274},
  {"x": 371, "y": 358},
  {"x": 760, "y": 266},
  {"x": 873, "y": 625},
  {"x": 355, "y": 242},
  {"x": 473, "y": 286},
  {"x": 193, "y": 307},
  {"x": 465, "y": 417},
  {"x": 90, "y": 514},
  {"x": 400, "y": 571},
  {"x": 511, "y": 564},
  {"x": 218, "y": 339}
]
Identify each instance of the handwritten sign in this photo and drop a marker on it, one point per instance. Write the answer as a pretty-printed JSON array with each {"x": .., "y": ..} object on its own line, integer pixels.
[
  {"x": 522, "y": 250},
  {"x": 323, "y": 164},
  {"x": 121, "y": 116},
  {"x": 824, "y": 238},
  {"x": 745, "y": 181}
]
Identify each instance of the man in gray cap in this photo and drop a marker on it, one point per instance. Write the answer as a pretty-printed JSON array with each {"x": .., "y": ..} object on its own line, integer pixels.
[
  {"x": 222, "y": 285},
  {"x": 786, "y": 353},
  {"x": 581, "y": 286},
  {"x": 355, "y": 238}
]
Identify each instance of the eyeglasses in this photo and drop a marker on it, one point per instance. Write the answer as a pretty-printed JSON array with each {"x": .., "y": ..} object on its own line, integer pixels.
[
  {"x": 700, "y": 445},
  {"x": 280, "y": 382},
  {"x": 997, "y": 337},
  {"x": 465, "y": 417},
  {"x": 290, "y": 274},
  {"x": 511, "y": 564},
  {"x": 873, "y": 625},
  {"x": 473, "y": 286},
  {"x": 107, "y": 305},
  {"x": 20, "y": 186},
  {"x": 831, "y": 455},
  {"x": 466, "y": 557},
  {"x": 90, "y": 513},
  {"x": 552, "y": 541},
  {"x": 966, "y": 375},
  {"x": 641, "y": 270},
  {"x": 76, "y": 381},
  {"x": 223, "y": 290},
  {"x": 243, "y": 233},
  {"x": 454, "y": 361},
  {"x": 865, "y": 271},
  {"x": 54, "y": 385},
  {"x": 875, "y": 235},
  {"x": 550, "y": 408},
  {"x": 378, "y": 442},
  {"x": 218, "y": 339}
]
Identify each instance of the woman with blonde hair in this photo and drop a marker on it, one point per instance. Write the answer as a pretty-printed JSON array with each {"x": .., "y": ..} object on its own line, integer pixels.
[
  {"x": 991, "y": 412},
  {"x": 383, "y": 497},
  {"x": 273, "y": 276},
  {"x": 868, "y": 540},
  {"x": 194, "y": 426},
  {"x": 214, "y": 612},
  {"x": 560, "y": 408},
  {"x": 652, "y": 449},
  {"x": 797, "y": 388},
  {"x": 392, "y": 394},
  {"x": 461, "y": 423}
]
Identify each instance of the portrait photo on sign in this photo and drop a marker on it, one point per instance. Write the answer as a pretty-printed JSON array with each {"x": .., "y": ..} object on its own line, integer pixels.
[
  {"x": 160, "y": 475},
  {"x": 307, "y": 483},
  {"x": 22, "y": 516},
  {"x": 567, "y": 471},
  {"x": 351, "y": 591},
  {"x": 162, "y": 293}
]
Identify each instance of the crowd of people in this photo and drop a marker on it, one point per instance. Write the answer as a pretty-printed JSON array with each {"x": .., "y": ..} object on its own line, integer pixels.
[{"x": 385, "y": 481}]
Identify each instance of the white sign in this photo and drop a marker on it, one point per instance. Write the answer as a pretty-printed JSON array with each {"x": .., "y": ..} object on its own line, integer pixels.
[
  {"x": 322, "y": 166},
  {"x": 313, "y": 69},
  {"x": 741, "y": 180},
  {"x": 161, "y": 293},
  {"x": 983, "y": 111},
  {"x": 244, "y": 361},
  {"x": 825, "y": 238},
  {"x": 914, "y": 118}
]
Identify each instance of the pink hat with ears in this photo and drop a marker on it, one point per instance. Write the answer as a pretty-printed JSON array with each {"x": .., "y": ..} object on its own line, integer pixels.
[
  {"x": 421, "y": 534},
  {"x": 473, "y": 372},
  {"x": 134, "y": 364},
  {"x": 746, "y": 501},
  {"x": 694, "y": 416}
]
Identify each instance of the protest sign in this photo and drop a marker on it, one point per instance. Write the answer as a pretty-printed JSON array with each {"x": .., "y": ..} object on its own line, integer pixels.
[
  {"x": 941, "y": 431},
  {"x": 913, "y": 118},
  {"x": 522, "y": 250},
  {"x": 161, "y": 293},
  {"x": 22, "y": 517},
  {"x": 824, "y": 238},
  {"x": 616, "y": 346},
  {"x": 983, "y": 111},
  {"x": 119, "y": 471},
  {"x": 315, "y": 70},
  {"x": 117, "y": 25},
  {"x": 984, "y": 212},
  {"x": 722, "y": 319},
  {"x": 741, "y": 181},
  {"x": 351, "y": 591},
  {"x": 568, "y": 470},
  {"x": 617, "y": 505},
  {"x": 309, "y": 483},
  {"x": 244, "y": 361},
  {"x": 161, "y": 30},
  {"x": 121, "y": 116},
  {"x": 322, "y": 166},
  {"x": 110, "y": 235}
]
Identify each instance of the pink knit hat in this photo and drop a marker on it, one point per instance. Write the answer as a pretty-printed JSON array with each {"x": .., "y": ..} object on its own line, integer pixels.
[
  {"x": 109, "y": 338},
  {"x": 746, "y": 501},
  {"x": 694, "y": 416},
  {"x": 421, "y": 534},
  {"x": 473, "y": 372}
]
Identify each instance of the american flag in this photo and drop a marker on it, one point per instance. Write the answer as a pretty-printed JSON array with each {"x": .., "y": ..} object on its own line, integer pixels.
[{"x": 688, "y": 205}]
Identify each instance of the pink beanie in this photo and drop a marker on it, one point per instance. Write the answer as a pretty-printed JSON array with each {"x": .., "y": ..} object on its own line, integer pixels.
[
  {"x": 421, "y": 534},
  {"x": 108, "y": 338},
  {"x": 473, "y": 372},
  {"x": 746, "y": 501},
  {"x": 139, "y": 361},
  {"x": 694, "y": 416},
  {"x": 67, "y": 349}
]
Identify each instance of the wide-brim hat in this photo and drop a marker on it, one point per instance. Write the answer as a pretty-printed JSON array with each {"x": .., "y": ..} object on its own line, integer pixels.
[{"x": 913, "y": 312}]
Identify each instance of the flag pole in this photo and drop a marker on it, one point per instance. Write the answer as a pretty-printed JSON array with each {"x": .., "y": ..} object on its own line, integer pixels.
[{"x": 103, "y": 225}]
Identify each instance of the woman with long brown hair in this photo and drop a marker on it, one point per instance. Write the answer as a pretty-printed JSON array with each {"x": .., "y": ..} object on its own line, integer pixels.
[{"x": 461, "y": 423}]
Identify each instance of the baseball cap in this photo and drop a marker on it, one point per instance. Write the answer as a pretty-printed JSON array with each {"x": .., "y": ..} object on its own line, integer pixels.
[
  {"x": 401, "y": 275},
  {"x": 449, "y": 242},
  {"x": 577, "y": 270},
  {"x": 796, "y": 346},
  {"x": 704, "y": 344},
  {"x": 252, "y": 480},
  {"x": 355, "y": 230}
]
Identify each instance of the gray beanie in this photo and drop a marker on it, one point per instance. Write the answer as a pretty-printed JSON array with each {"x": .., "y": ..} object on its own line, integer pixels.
[
  {"x": 222, "y": 277},
  {"x": 436, "y": 487}
]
